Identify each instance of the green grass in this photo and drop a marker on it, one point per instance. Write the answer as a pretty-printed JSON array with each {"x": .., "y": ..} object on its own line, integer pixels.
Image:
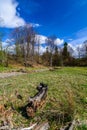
[
  {"x": 5, "y": 69},
  {"x": 11, "y": 68},
  {"x": 67, "y": 95},
  {"x": 83, "y": 127}
]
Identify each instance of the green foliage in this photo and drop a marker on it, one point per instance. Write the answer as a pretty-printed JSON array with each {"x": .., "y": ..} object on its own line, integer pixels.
[
  {"x": 65, "y": 54},
  {"x": 82, "y": 127}
]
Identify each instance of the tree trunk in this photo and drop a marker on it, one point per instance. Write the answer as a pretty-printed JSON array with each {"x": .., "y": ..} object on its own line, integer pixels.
[{"x": 51, "y": 61}]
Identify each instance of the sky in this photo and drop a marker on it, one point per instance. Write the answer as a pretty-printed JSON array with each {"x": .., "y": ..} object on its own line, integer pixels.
[{"x": 67, "y": 19}]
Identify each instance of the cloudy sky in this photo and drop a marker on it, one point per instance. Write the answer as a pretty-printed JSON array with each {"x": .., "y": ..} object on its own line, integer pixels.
[{"x": 67, "y": 19}]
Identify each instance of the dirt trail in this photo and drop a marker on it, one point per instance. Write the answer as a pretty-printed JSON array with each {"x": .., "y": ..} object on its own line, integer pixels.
[{"x": 9, "y": 74}]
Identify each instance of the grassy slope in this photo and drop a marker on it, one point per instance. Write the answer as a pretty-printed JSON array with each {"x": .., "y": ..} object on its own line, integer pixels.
[
  {"x": 67, "y": 93},
  {"x": 16, "y": 67}
]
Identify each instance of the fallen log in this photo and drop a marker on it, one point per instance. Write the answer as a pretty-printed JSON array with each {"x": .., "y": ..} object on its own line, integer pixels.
[
  {"x": 36, "y": 126},
  {"x": 43, "y": 126},
  {"x": 40, "y": 126},
  {"x": 37, "y": 100},
  {"x": 70, "y": 126}
]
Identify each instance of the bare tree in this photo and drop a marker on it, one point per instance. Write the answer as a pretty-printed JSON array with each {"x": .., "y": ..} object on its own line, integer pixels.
[
  {"x": 51, "y": 46},
  {"x": 24, "y": 41},
  {"x": 1, "y": 49},
  {"x": 79, "y": 52},
  {"x": 38, "y": 39},
  {"x": 33, "y": 46},
  {"x": 85, "y": 48}
]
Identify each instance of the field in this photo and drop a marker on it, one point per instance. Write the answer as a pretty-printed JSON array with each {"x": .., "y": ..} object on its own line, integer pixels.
[{"x": 67, "y": 96}]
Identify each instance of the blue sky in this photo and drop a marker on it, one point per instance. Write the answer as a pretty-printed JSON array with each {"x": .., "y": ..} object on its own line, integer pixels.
[
  {"x": 63, "y": 18},
  {"x": 67, "y": 19}
]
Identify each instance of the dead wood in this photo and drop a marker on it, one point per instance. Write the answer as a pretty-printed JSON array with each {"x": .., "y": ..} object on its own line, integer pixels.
[
  {"x": 37, "y": 100},
  {"x": 36, "y": 126},
  {"x": 70, "y": 126},
  {"x": 42, "y": 126},
  {"x": 30, "y": 128}
]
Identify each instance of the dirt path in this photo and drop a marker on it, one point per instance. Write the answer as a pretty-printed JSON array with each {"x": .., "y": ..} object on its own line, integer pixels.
[{"x": 9, "y": 74}]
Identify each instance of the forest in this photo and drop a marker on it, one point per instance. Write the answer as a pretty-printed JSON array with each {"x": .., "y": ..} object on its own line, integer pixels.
[{"x": 25, "y": 49}]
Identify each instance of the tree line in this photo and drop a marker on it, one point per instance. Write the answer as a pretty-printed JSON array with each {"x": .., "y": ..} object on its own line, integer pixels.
[{"x": 27, "y": 50}]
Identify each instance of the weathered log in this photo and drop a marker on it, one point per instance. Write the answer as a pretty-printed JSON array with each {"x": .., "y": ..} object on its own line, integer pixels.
[
  {"x": 42, "y": 126},
  {"x": 70, "y": 126},
  {"x": 29, "y": 128},
  {"x": 36, "y": 126},
  {"x": 37, "y": 100}
]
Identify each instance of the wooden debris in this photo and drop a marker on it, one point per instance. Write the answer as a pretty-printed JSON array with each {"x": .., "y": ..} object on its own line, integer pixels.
[
  {"x": 70, "y": 126},
  {"x": 29, "y": 128},
  {"x": 18, "y": 95},
  {"x": 43, "y": 126},
  {"x": 22, "y": 70},
  {"x": 36, "y": 126},
  {"x": 37, "y": 101},
  {"x": 40, "y": 126}
]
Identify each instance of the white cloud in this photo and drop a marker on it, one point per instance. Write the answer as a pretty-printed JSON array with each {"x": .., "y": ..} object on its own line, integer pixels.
[
  {"x": 42, "y": 40},
  {"x": 39, "y": 38},
  {"x": 59, "y": 41},
  {"x": 81, "y": 36},
  {"x": 11, "y": 49},
  {"x": 9, "y": 17},
  {"x": 36, "y": 25},
  {"x": 7, "y": 42},
  {"x": 70, "y": 39},
  {"x": 33, "y": 25},
  {"x": 78, "y": 43},
  {"x": 82, "y": 33},
  {"x": 41, "y": 50},
  {"x": 4, "y": 44}
]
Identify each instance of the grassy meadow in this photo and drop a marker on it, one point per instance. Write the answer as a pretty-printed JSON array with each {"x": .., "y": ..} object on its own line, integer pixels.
[{"x": 66, "y": 100}]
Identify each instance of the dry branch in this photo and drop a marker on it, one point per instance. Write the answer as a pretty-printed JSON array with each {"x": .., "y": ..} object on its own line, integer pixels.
[{"x": 30, "y": 128}]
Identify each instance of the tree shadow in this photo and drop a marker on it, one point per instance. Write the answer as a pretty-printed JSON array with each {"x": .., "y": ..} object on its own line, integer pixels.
[{"x": 22, "y": 111}]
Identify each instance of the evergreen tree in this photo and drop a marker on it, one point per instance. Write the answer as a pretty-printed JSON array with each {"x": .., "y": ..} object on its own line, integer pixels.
[
  {"x": 56, "y": 57},
  {"x": 65, "y": 54}
]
